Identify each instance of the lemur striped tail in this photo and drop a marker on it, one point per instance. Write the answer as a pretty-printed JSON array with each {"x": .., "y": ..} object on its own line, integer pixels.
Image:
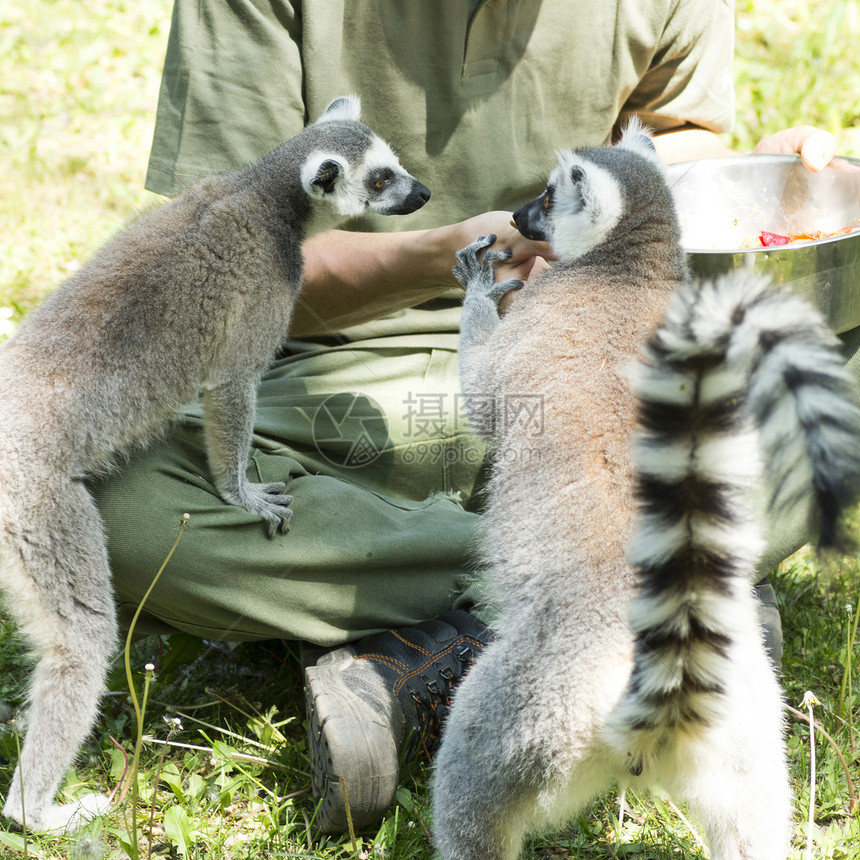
[{"x": 740, "y": 379}]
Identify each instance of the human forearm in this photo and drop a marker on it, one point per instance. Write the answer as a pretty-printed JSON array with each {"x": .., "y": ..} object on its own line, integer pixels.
[
  {"x": 689, "y": 144},
  {"x": 351, "y": 278}
]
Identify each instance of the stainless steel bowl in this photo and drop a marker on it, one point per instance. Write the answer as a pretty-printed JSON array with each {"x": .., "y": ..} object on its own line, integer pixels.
[{"x": 723, "y": 201}]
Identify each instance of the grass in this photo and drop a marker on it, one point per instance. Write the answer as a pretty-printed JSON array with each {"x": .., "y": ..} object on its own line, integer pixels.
[
  {"x": 230, "y": 780},
  {"x": 79, "y": 87},
  {"x": 792, "y": 68}
]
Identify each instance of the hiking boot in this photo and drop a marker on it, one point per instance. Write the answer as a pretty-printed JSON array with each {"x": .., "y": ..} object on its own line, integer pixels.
[{"x": 375, "y": 703}]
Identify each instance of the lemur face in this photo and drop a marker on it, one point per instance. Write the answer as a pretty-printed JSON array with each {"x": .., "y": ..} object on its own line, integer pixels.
[
  {"x": 582, "y": 202},
  {"x": 583, "y": 199},
  {"x": 532, "y": 219},
  {"x": 356, "y": 171},
  {"x": 377, "y": 184},
  {"x": 388, "y": 188}
]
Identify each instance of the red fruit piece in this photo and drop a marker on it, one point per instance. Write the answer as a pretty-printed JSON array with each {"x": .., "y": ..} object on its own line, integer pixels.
[{"x": 770, "y": 239}]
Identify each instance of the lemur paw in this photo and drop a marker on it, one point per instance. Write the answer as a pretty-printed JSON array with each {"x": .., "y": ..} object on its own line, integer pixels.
[
  {"x": 469, "y": 268},
  {"x": 478, "y": 275},
  {"x": 266, "y": 501},
  {"x": 63, "y": 818}
]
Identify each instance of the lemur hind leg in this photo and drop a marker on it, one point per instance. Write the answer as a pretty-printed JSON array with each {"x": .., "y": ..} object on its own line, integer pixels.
[
  {"x": 511, "y": 760},
  {"x": 736, "y": 777}
]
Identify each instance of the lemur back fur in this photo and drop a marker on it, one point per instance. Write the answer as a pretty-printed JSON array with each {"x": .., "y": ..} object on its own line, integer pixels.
[
  {"x": 628, "y": 643},
  {"x": 198, "y": 293}
]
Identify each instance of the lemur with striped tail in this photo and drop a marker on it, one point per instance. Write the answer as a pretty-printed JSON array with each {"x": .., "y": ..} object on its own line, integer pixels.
[{"x": 620, "y": 539}]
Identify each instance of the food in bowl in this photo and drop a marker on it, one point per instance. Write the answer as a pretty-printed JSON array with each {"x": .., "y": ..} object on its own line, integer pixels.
[
  {"x": 766, "y": 239},
  {"x": 722, "y": 202}
]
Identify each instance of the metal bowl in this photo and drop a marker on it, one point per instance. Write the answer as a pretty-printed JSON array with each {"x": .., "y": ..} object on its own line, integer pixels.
[{"x": 723, "y": 201}]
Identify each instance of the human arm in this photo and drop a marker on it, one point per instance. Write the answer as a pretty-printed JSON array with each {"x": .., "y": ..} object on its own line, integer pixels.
[
  {"x": 815, "y": 146},
  {"x": 351, "y": 278}
]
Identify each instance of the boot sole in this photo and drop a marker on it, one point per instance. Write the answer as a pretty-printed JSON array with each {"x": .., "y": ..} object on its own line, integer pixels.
[{"x": 347, "y": 739}]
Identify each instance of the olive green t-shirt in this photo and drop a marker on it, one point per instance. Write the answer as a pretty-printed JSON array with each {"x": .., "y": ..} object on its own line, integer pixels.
[
  {"x": 475, "y": 105},
  {"x": 475, "y": 97}
]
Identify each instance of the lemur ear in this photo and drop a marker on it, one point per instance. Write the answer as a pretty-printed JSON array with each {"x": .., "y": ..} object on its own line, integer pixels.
[
  {"x": 571, "y": 182},
  {"x": 579, "y": 186},
  {"x": 326, "y": 176},
  {"x": 321, "y": 174},
  {"x": 638, "y": 138},
  {"x": 343, "y": 108},
  {"x": 577, "y": 174}
]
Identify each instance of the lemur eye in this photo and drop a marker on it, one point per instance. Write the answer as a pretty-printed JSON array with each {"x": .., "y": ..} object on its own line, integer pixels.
[
  {"x": 379, "y": 179},
  {"x": 547, "y": 198}
]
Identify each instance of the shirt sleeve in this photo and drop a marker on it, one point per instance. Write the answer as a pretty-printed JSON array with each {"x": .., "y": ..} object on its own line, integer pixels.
[
  {"x": 231, "y": 89},
  {"x": 690, "y": 77}
]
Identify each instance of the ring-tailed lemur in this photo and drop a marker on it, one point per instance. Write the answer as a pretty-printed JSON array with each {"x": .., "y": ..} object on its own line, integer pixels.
[
  {"x": 197, "y": 293},
  {"x": 642, "y": 665}
]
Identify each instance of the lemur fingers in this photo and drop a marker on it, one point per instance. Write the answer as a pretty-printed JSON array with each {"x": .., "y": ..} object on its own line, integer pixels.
[
  {"x": 478, "y": 274},
  {"x": 489, "y": 260},
  {"x": 266, "y": 501},
  {"x": 469, "y": 267},
  {"x": 499, "y": 291}
]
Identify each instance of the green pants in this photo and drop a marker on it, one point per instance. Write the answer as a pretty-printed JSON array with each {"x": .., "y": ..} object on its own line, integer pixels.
[{"x": 372, "y": 442}]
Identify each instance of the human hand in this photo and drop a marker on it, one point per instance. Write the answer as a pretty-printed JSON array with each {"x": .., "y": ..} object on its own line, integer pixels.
[
  {"x": 528, "y": 258},
  {"x": 815, "y": 146}
]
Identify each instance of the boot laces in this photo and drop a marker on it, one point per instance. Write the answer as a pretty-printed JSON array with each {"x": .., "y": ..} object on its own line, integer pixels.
[{"x": 432, "y": 696}]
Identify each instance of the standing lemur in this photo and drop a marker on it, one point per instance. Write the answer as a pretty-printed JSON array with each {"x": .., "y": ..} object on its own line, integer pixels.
[
  {"x": 628, "y": 643},
  {"x": 198, "y": 293}
]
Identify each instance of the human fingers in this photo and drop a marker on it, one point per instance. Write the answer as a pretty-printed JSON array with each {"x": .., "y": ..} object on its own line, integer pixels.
[
  {"x": 521, "y": 270},
  {"x": 815, "y": 146},
  {"x": 508, "y": 238}
]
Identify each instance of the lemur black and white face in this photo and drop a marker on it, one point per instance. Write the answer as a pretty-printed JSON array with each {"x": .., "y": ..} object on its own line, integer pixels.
[
  {"x": 356, "y": 171},
  {"x": 583, "y": 199}
]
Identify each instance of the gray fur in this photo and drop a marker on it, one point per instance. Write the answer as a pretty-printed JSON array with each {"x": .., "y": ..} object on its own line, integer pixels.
[
  {"x": 559, "y": 706},
  {"x": 198, "y": 293}
]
